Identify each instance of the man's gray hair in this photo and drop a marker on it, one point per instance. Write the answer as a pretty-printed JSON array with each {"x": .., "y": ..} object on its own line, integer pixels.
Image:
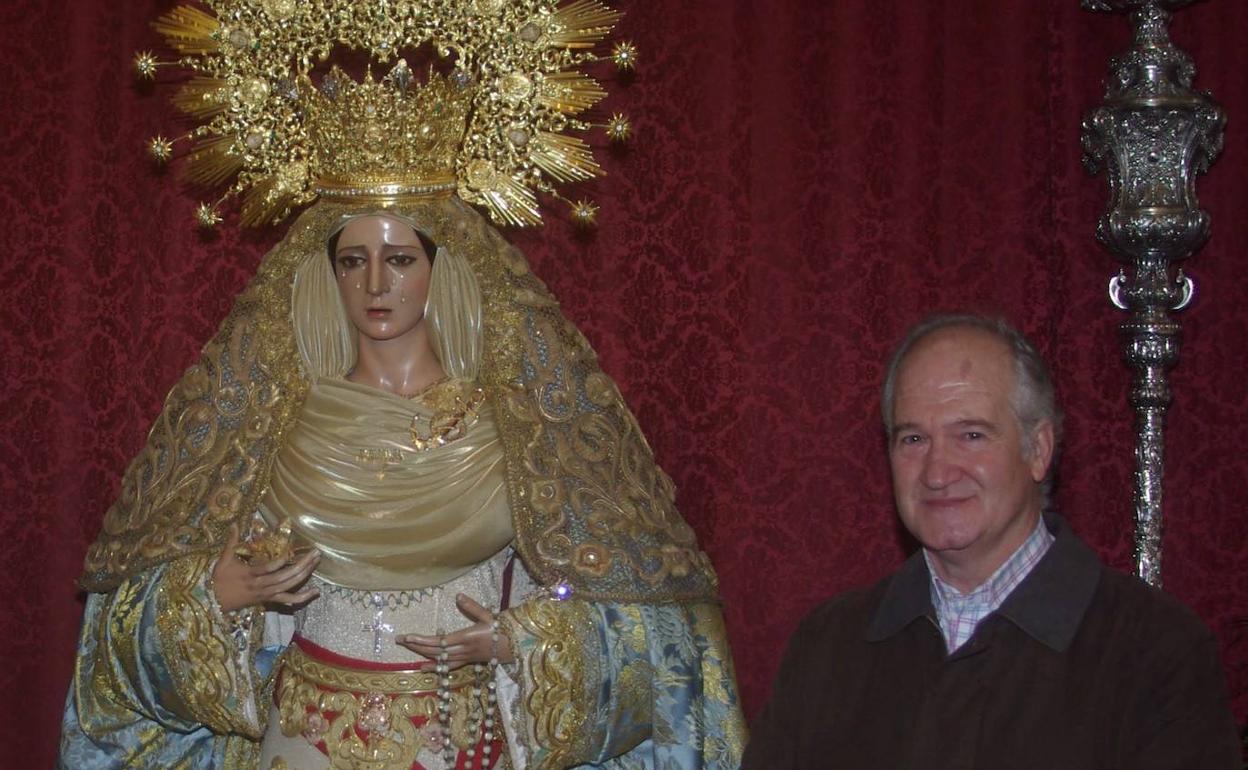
[{"x": 1033, "y": 400}]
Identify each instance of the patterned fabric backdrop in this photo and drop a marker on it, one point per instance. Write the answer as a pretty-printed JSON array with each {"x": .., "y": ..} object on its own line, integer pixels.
[{"x": 808, "y": 179}]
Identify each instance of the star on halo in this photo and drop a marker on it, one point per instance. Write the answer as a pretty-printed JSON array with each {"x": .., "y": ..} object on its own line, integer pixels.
[
  {"x": 585, "y": 213},
  {"x": 624, "y": 54},
  {"x": 207, "y": 216},
  {"x": 145, "y": 65},
  {"x": 618, "y": 128},
  {"x": 160, "y": 148}
]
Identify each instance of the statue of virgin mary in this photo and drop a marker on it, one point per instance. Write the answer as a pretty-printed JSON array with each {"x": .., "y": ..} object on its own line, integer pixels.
[{"x": 396, "y": 516}]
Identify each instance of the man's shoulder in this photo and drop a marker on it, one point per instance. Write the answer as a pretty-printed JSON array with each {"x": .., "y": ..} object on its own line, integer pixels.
[
  {"x": 1165, "y": 663},
  {"x": 1139, "y": 608},
  {"x": 1073, "y": 592}
]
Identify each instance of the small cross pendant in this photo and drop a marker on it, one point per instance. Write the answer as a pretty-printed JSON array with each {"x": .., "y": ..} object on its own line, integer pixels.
[{"x": 377, "y": 628}]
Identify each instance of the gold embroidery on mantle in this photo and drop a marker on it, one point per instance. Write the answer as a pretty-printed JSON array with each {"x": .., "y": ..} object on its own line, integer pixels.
[{"x": 209, "y": 451}]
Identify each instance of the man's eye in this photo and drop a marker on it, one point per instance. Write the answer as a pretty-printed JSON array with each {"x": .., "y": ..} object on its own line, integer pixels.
[
  {"x": 910, "y": 439},
  {"x": 973, "y": 435}
]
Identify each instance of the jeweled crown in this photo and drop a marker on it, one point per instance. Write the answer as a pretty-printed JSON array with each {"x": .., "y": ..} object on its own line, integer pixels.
[
  {"x": 387, "y": 137},
  {"x": 498, "y": 129}
]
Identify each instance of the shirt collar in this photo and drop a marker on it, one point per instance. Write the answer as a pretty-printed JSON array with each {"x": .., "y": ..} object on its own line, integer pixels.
[
  {"x": 993, "y": 591},
  {"x": 1048, "y": 605}
]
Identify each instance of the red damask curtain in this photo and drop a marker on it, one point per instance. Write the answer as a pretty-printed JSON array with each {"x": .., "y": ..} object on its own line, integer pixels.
[{"x": 808, "y": 179}]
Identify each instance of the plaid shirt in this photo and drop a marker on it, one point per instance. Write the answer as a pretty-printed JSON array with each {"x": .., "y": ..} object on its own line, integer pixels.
[{"x": 959, "y": 613}]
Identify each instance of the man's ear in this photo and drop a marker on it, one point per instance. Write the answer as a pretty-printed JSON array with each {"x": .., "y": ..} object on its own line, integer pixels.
[{"x": 1041, "y": 450}]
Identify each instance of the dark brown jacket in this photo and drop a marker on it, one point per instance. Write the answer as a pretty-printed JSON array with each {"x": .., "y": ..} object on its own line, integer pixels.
[{"x": 1081, "y": 667}]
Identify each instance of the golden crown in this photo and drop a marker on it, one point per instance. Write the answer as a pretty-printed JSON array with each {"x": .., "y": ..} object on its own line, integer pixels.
[
  {"x": 385, "y": 138},
  {"x": 499, "y": 128}
]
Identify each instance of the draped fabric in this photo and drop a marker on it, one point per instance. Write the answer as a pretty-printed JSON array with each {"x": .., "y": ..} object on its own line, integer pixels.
[
  {"x": 406, "y": 519},
  {"x": 807, "y": 180}
]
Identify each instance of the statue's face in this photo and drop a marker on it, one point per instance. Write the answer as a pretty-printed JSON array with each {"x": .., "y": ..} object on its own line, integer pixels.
[{"x": 383, "y": 276}]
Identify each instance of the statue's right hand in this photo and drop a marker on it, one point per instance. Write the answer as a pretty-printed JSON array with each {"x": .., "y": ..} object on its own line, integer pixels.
[{"x": 238, "y": 584}]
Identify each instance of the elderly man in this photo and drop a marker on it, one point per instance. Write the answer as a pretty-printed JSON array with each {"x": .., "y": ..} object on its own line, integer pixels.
[{"x": 1003, "y": 643}]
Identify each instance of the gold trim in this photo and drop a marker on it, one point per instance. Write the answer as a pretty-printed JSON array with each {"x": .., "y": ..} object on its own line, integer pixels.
[
  {"x": 385, "y": 199},
  {"x": 410, "y": 682},
  {"x": 559, "y": 695},
  {"x": 202, "y": 659},
  {"x": 382, "y": 190},
  {"x": 374, "y": 729}
]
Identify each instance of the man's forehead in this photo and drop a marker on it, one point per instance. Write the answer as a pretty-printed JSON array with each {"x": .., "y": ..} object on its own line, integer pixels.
[
  {"x": 954, "y": 398},
  {"x": 939, "y": 390},
  {"x": 953, "y": 357},
  {"x": 956, "y": 375}
]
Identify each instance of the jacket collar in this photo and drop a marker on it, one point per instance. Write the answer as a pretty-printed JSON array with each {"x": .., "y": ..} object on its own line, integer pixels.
[{"x": 1048, "y": 605}]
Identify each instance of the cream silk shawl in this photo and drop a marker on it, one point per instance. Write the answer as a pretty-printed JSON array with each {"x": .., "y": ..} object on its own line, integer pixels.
[{"x": 385, "y": 516}]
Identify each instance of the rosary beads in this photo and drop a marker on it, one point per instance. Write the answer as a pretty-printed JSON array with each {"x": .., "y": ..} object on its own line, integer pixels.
[{"x": 481, "y": 722}]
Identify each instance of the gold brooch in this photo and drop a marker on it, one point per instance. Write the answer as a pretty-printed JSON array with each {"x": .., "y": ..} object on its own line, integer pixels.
[
  {"x": 264, "y": 546},
  {"x": 447, "y": 425}
]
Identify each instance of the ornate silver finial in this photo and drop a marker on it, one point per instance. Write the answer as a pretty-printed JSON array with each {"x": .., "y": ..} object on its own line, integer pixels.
[
  {"x": 1121, "y": 6},
  {"x": 1152, "y": 134}
]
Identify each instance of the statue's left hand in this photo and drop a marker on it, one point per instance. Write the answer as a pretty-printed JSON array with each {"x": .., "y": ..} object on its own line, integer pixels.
[{"x": 474, "y": 644}]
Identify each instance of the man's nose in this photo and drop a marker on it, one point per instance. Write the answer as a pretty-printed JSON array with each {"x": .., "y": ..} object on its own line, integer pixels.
[
  {"x": 939, "y": 469},
  {"x": 376, "y": 280}
]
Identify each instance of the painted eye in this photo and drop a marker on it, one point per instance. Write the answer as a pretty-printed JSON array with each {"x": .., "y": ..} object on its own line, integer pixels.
[{"x": 402, "y": 260}]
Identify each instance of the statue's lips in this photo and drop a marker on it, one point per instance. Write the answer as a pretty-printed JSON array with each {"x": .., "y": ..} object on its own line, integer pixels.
[{"x": 378, "y": 312}]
